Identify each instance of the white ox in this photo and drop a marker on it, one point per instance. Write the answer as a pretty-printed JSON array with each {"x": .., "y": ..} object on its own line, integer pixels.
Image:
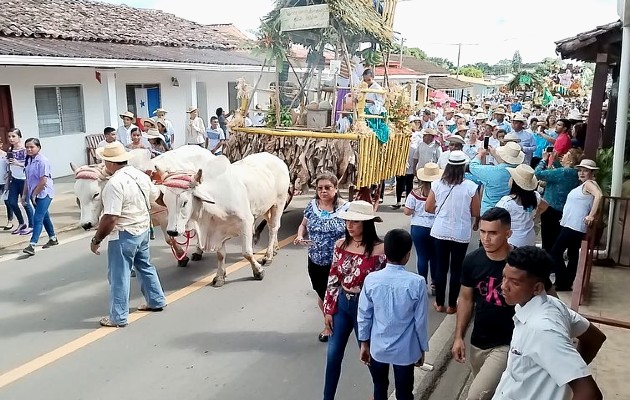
[
  {"x": 90, "y": 181},
  {"x": 223, "y": 200}
]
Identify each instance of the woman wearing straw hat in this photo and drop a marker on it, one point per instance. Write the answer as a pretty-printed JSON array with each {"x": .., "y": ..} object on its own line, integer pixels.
[
  {"x": 126, "y": 219},
  {"x": 455, "y": 202},
  {"x": 422, "y": 222},
  {"x": 577, "y": 217},
  {"x": 355, "y": 256},
  {"x": 156, "y": 142},
  {"x": 524, "y": 204}
]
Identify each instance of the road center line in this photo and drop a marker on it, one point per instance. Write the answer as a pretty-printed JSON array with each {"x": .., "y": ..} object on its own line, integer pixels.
[{"x": 91, "y": 337}]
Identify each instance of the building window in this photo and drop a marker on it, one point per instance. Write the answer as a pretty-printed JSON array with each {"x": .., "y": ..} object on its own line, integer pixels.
[
  {"x": 232, "y": 96},
  {"x": 143, "y": 100},
  {"x": 59, "y": 110}
]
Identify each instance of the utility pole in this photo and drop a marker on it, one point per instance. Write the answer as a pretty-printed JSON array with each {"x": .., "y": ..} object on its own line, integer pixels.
[
  {"x": 459, "y": 54},
  {"x": 402, "y": 44}
]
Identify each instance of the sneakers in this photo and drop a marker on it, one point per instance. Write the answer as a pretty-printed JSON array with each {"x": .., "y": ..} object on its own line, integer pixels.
[
  {"x": 17, "y": 230},
  {"x": 50, "y": 243},
  {"x": 26, "y": 231},
  {"x": 30, "y": 250}
]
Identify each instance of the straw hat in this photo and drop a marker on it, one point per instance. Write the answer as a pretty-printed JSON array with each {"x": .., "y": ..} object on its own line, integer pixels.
[
  {"x": 459, "y": 115},
  {"x": 414, "y": 118},
  {"x": 466, "y": 106},
  {"x": 153, "y": 133},
  {"x": 455, "y": 139},
  {"x": 510, "y": 137},
  {"x": 481, "y": 116},
  {"x": 191, "y": 109},
  {"x": 523, "y": 176},
  {"x": 159, "y": 110},
  {"x": 490, "y": 123},
  {"x": 161, "y": 121},
  {"x": 458, "y": 157},
  {"x": 499, "y": 110},
  {"x": 430, "y": 131},
  {"x": 511, "y": 153},
  {"x": 127, "y": 114},
  {"x": 575, "y": 116},
  {"x": 151, "y": 121},
  {"x": 588, "y": 164},
  {"x": 519, "y": 117},
  {"x": 359, "y": 210},
  {"x": 431, "y": 172},
  {"x": 461, "y": 128},
  {"x": 114, "y": 152}
]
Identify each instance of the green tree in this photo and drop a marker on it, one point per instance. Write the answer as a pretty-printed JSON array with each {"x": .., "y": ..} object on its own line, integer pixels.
[
  {"x": 517, "y": 62},
  {"x": 410, "y": 51},
  {"x": 442, "y": 62},
  {"x": 471, "y": 71}
]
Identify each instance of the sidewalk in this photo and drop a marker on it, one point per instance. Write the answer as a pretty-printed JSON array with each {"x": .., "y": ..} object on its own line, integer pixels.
[
  {"x": 64, "y": 212},
  {"x": 609, "y": 298}
]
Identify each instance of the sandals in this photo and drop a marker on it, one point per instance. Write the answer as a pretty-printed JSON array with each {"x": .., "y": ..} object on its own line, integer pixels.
[
  {"x": 146, "y": 308},
  {"x": 106, "y": 322}
]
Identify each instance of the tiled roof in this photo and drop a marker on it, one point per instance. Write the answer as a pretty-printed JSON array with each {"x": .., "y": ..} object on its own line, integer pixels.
[
  {"x": 446, "y": 82},
  {"x": 423, "y": 67},
  {"x": 27, "y": 46},
  {"x": 585, "y": 46},
  {"x": 92, "y": 21}
]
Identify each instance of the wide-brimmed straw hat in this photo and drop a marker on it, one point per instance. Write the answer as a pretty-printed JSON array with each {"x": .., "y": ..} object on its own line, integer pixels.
[
  {"x": 150, "y": 121},
  {"x": 588, "y": 164},
  {"x": 359, "y": 210},
  {"x": 153, "y": 133},
  {"x": 466, "y": 106},
  {"x": 499, "y": 110},
  {"x": 461, "y": 128},
  {"x": 458, "y": 157},
  {"x": 510, "y": 137},
  {"x": 455, "y": 139},
  {"x": 160, "y": 110},
  {"x": 429, "y": 173},
  {"x": 114, "y": 152},
  {"x": 519, "y": 117},
  {"x": 481, "y": 116},
  {"x": 127, "y": 114},
  {"x": 511, "y": 153},
  {"x": 430, "y": 131},
  {"x": 523, "y": 176},
  {"x": 191, "y": 109},
  {"x": 491, "y": 123}
]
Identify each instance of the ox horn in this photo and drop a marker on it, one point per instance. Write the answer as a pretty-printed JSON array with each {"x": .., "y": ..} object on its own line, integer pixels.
[
  {"x": 198, "y": 176},
  {"x": 73, "y": 167},
  {"x": 160, "y": 172}
]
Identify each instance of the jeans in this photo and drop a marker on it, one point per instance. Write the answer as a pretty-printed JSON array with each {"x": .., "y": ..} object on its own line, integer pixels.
[
  {"x": 425, "y": 251},
  {"x": 16, "y": 188},
  {"x": 344, "y": 321},
  {"x": 6, "y": 203},
  {"x": 127, "y": 251},
  {"x": 403, "y": 380},
  {"x": 403, "y": 184},
  {"x": 41, "y": 219},
  {"x": 450, "y": 256},
  {"x": 569, "y": 240},
  {"x": 550, "y": 227}
]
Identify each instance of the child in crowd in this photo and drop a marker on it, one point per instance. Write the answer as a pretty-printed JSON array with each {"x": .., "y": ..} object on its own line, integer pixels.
[{"x": 136, "y": 140}]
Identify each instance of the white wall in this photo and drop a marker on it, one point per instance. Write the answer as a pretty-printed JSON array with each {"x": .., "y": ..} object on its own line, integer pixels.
[{"x": 61, "y": 150}]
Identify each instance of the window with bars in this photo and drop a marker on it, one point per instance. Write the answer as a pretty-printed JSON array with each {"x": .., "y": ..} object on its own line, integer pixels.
[{"x": 59, "y": 110}]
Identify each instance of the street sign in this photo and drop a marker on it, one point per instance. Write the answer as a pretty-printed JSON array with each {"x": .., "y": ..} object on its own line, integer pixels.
[{"x": 305, "y": 17}]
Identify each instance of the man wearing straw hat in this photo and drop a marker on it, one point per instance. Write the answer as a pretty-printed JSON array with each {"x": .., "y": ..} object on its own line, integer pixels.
[
  {"x": 125, "y": 221},
  {"x": 124, "y": 131},
  {"x": 528, "y": 143},
  {"x": 428, "y": 150},
  {"x": 495, "y": 178},
  {"x": 499, "y": 120},
  {"x": 455, "y": 142},
  {"x": 195, "y": 128}
]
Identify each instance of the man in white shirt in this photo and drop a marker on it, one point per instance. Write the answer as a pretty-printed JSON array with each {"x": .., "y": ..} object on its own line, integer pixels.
[
  {"x": 543, "y": 362},
  {"x": 258, "y": 117},
  {"x": 426, "y": 121},
  {"x": 124, "y": 131},
  {"x": 110, "y": 137},
  {"x": 195, "y": 129},
  {"x": 428, "y": 150}
]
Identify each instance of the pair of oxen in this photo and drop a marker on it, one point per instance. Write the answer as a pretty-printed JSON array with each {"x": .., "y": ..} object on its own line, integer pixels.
[{"x": 204, "y": 194}]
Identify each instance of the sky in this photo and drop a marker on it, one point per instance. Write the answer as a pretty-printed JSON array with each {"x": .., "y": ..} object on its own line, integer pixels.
[{"x": 489, "y": 30}]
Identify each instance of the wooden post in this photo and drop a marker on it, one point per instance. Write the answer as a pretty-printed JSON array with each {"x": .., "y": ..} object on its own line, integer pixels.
[
  {"x": 593, "y": 132},
  {"x": 262, "y": 69},
  {"x": 278, "y": 105},
  {"x": 611, "y": 116}
]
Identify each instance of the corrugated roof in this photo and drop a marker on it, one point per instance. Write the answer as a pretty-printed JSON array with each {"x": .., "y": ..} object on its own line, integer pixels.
[
  {"x": 27, "y": 46},
  {"x": 446, "y": 82},
  {"x": 92, "y": 21},
  {"x": 423, "y": 67},
  {"x": 584, "y": 46}
]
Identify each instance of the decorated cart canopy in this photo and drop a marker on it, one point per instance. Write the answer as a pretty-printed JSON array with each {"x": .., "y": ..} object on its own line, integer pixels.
[{"x": 348, "y": 124}]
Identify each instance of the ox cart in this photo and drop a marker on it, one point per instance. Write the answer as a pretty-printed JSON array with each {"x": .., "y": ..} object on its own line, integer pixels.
[{"x": 305, "y": 115}]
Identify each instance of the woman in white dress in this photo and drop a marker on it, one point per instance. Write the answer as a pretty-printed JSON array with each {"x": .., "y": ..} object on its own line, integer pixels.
[{"x": 524, "y": 204}]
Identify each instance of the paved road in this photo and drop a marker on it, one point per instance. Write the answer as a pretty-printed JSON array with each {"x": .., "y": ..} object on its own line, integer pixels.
[{"x": 246, "y": 340}]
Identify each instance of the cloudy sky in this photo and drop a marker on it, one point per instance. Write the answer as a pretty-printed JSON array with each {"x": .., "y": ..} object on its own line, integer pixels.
[{"x": 490, "y": 30}]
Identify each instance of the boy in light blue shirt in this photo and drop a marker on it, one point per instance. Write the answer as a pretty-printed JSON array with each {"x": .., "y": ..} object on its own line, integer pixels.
[
  {"x": 393, "y": 320},
  {"x": 215, "y": 137}
]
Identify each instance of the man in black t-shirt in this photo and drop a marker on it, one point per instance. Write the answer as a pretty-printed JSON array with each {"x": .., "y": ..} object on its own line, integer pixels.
[{"x": 482, "y": 274}]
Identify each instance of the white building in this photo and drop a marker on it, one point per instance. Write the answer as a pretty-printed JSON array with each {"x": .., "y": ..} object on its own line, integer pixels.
[{"x": 72, "y": 72}]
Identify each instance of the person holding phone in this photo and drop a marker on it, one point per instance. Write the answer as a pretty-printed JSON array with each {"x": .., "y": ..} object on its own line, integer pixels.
[
  {"x": 323, "y": 227},
  {"x": 545, "y": 140}
]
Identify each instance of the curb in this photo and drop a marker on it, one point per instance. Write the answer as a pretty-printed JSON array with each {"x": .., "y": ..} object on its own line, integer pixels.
[{"x": 438, "y": 356}]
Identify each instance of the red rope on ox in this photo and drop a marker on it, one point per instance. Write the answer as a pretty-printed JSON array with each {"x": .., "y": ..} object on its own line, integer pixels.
[{"x": 188, "y": 235}]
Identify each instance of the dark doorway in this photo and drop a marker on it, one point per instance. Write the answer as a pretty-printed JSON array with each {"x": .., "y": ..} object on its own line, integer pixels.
[{"x": 6, "y": 112}]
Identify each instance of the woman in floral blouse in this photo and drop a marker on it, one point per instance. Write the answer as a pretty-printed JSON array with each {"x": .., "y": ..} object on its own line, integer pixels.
[
  {"x": 324, "y": 228},
  {"x": 354, "y": 257}
]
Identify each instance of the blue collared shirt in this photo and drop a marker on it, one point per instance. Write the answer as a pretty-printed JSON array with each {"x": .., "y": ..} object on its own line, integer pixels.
[
  {"x": 37, "y": 168},
  {"x": 503, "y": 125},
  {"x": 393, "y": 315},
  {"x": 559, "y": 182},
  {"x": 528, "y": 144},
  {"x": 495, "y": 180}
]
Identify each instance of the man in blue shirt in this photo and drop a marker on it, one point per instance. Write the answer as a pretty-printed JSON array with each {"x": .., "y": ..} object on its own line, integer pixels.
[
  {"x": 499, "y": 120},
  {"x": 527, "y": 141},
  {"x": 393, "y": 320}
]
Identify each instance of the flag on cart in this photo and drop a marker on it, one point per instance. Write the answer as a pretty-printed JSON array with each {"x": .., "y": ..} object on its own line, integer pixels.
[{"x": 547, "y": 97}]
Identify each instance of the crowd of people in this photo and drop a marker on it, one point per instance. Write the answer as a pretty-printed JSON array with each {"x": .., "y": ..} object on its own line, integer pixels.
[{"x": 511, "y": 176}]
